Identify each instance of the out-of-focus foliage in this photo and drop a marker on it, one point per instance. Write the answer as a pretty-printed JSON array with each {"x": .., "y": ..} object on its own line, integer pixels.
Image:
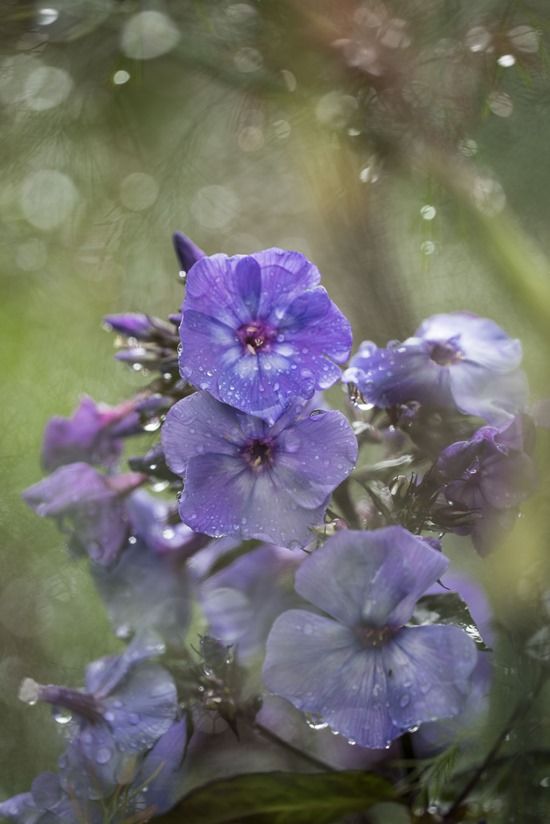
[{"x": 401, "y": 145}]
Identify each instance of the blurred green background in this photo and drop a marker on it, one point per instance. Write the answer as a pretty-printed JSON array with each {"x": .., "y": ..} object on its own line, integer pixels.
[{"x": 403, "y": 146}]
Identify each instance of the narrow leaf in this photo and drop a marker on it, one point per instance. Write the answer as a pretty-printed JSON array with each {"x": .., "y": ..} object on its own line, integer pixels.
[{"x": 282, "y": 798}]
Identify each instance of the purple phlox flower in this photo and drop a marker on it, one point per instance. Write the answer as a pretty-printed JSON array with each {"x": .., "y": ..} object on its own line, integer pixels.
[
  {"x": 358, "y": 667},
  {"x": 258, "y": 331},
  {"x": 89, "y": 505},
  {"x": 453, "y": 360},
  {"x": 436, "y": 735},
  {"x": 149, "y": 586},
  {"x": 127, "y": 703},
  {"x": 242, "y": 600},
  {"x": 47, "y": 803},
  {"x": 139, "y": 788},
  {"x": 487, "y": 475},
  {"x": 248, "y": 478},
  {"x": 93, "y": 434},
  {"x": 187, "y": 252}
]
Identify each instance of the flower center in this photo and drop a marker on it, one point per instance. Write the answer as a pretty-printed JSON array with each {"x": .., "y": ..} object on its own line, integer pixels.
[
  {"x": 372, "y": 637},
  {"x": 254, "y": 336},
  {"x": 445, "y": 354},
  {"x": 259, "y": 453}
]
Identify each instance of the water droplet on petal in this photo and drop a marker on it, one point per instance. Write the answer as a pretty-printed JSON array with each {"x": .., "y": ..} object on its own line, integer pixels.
[{"x": 103, "y": 755}]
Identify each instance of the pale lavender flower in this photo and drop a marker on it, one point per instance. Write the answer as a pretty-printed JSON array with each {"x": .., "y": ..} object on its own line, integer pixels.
[
  {"x": 453, "y": 360},
  {"x": 127, "y": 703},
  {"x": 359, "y": 668}
]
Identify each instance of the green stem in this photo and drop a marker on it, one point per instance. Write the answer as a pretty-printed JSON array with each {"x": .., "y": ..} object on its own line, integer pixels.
[{"x": 522, "y": 708}]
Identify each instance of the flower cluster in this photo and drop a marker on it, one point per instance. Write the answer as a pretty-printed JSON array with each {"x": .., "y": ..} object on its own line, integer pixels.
[{"x": 282, "y": 558}]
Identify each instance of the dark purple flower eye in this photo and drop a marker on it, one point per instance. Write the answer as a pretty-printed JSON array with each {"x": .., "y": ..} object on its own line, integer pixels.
[
  {"x": 246, "y": 477},
  {"x": 361, "y": 670},
  {"x": 258, "y": 331},
  {"x": 454, "y": 360}
]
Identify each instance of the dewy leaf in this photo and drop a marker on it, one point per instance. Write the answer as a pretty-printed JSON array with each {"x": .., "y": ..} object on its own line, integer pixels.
[
  {"x": 282, "y": 798},
  {"x": 448, "y": 608}
]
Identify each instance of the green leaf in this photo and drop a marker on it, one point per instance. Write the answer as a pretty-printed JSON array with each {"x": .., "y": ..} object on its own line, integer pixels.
[
  {"x": 282, "y": 798},
  {"x": 448, "y": 608},
  {"x": 437, "y": 774}
]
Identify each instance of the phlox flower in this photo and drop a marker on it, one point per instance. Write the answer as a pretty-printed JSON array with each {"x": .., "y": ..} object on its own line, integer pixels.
[
  {"x": 245, "y": 477},
  {"x": 87, "y": 504},
  {"x": 358, "y": 666},
  {"x": 453, "y": 360},
  {"x": 127, "y": 703},
  {"x": 259, "y": 330},
  {"x": 490, "y": 475},
  {"x": 93, "y": 434}
]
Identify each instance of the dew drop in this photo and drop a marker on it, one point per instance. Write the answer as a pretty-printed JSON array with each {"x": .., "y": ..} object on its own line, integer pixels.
[
  {"x": 103, "y": 755},
  {"x": 62, "y": 716}
]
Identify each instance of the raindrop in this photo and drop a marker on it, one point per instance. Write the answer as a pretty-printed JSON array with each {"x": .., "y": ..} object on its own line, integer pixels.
[
  {"x": 123, "y": 631},
  {"x": 427, "y": 247},
  {"x": 524, "y": 39},
  {"x": 428, "y": 212},
  {"x": 62, "y": 716},
  {"x": 500, "y": 104},
  {"x": 152, "y": 425},
  {"x": 103, "y": 755},
  {"x": 506, "y": 60},
  {"x": 121, "y": 77},
  {"x": 335, "y": 109},
  {"x": 29, "y": 691},
  {"x": 478, "y": 38},
  {"x": 46, "y": 16},
  {"x": 290, "y": 80},
  {"x": 316, "y": 723}
]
